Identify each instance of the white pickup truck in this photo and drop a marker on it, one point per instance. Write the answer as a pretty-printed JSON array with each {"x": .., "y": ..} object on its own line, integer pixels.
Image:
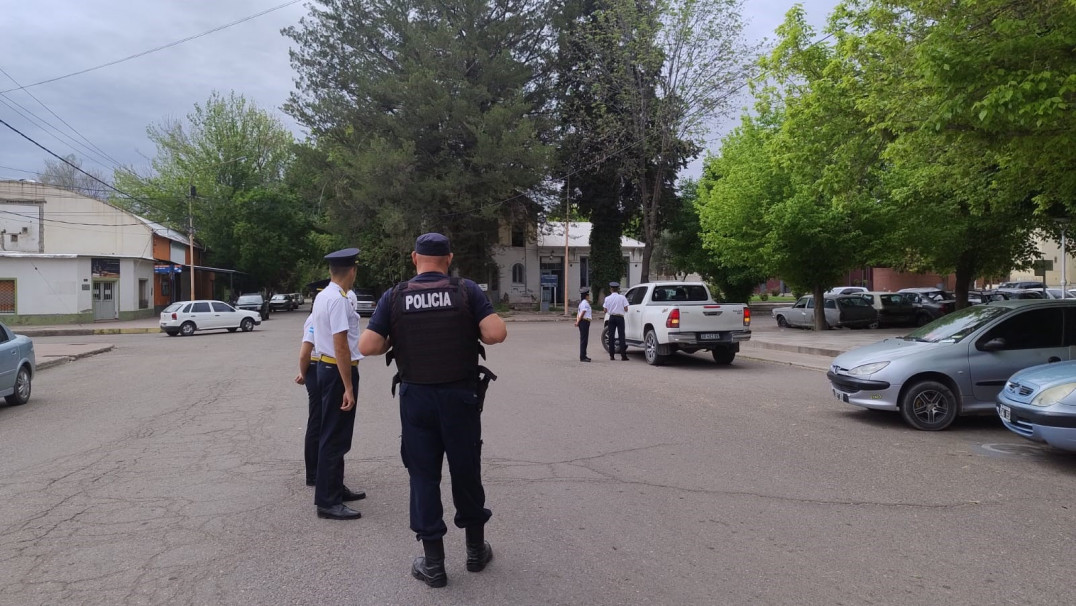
[{"x": 666, "y": 317}]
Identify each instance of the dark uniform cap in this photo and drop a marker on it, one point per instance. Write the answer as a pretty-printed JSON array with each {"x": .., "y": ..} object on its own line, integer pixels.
[
  {"x": 614, "y": 285},
  {"x": 585, "y": 290},
  {"x": 433, "y": 245},
  {"x": 342, "y": 258}
]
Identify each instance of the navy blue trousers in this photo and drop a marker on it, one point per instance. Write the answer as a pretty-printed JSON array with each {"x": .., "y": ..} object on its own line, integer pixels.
[
  {"x": 313, "y": 422},
  {"x": 438, "y": 420},
  {"x": 584, "y": 338},
  {"x": 337, "y": 427},
  {"x": 616, "y": 324}
]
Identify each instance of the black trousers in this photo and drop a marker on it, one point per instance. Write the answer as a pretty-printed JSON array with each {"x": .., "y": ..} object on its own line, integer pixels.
[
  {"x": 584, "y": 338},
  {"x": 616, "y": 324},
  {"x": 313, "y": 422},
  {"x": 337, "y": 427},
  {"x": 438, "y": 420}
]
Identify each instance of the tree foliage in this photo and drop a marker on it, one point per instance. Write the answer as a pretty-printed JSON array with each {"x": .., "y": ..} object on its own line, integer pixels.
[
  {"x": 72, "y": 176},
  {"x": 430, "y": 116}
]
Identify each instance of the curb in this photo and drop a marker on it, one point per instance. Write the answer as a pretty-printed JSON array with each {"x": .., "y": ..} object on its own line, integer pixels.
[
  {"x": 86, "y": 332},
  {"x": 126, "y": 331},
  {"x": 60, "y": 360},
  {"x": 803, "y": 349}
]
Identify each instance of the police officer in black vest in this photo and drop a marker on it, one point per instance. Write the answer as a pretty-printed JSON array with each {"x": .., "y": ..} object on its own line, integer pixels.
[{"x": 433, "y": 325}]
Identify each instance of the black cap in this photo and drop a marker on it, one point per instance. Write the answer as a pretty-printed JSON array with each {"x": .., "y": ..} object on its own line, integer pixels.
[
  {"x": 614, "y": 285},
  {"x": 342, "y": 258},
  {"x": 433, "y": 245},
  {"x": 317, "y": 285}
]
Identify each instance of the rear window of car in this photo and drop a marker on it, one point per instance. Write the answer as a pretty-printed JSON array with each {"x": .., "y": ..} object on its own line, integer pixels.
[
  {"x": 892, "y": 299},
  {"x": 173, "y": 307},
  {"x": 249, "y": 299},
  {"x": 679, "y": 292}
]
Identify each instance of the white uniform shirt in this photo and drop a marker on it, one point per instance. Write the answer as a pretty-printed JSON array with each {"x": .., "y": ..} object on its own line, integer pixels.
[
  {"x": 308, "y": 336},
  {"x": 615, "y": 304},
  {"x": 351, "y": 298},
  {"x": 334, "y": 314},
  {"x": 584, "y": 310}
]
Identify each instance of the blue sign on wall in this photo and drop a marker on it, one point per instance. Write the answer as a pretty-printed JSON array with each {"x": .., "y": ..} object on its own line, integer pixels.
[{"x": 549, "y": 280}]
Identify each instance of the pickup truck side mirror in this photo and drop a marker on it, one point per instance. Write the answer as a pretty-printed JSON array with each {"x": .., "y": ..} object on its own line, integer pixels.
[{"x": 995, "y": 344}]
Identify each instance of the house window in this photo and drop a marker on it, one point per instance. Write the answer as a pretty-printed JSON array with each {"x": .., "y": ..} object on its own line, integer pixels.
[
  {"x": 584, "y": 271},
  {"x": 518, "y": 274},
  {"x": 518, "y": 237},
  {"x": 14, "y": 238},
  {"x": 7, "y": 296},
  {"x": 626, "y": 279}
]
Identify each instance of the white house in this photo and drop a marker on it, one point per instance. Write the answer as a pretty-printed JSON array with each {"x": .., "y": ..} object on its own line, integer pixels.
[
  {"x": 532, "y": 264},
  {"x": 65, "y": 257}
]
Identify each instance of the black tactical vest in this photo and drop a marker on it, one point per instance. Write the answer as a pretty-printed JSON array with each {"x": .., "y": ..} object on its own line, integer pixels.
[{"x": 434, "y": 335}]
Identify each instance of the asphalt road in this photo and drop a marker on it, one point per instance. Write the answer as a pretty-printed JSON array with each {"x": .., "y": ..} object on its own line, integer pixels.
[{"x": 169, "y": 471}]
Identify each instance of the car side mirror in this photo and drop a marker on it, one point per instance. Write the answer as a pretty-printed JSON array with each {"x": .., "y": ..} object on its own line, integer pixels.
[{"x": 995, "y": 344}]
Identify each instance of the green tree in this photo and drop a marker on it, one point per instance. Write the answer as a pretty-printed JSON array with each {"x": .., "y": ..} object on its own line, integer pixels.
[
  {"x": 225, "y": 149},
  {"x": 431, "y": 117}
]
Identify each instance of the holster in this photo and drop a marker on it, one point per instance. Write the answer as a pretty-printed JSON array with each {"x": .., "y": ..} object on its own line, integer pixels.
[{"x": 485, "y": 377}]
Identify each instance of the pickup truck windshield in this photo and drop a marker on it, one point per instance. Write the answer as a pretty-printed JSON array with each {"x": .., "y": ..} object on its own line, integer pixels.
[{"x": 680, "y": 292}]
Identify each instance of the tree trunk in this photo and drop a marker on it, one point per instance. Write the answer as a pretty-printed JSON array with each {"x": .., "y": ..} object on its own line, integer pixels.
[
  {"x": 651, "y": 204},
  {"x": 820, "y": 308},
  {"x": 965, "y": 273}
]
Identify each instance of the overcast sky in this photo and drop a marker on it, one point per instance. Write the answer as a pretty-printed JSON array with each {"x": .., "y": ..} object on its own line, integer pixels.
[{"x": 111, "y": 107}]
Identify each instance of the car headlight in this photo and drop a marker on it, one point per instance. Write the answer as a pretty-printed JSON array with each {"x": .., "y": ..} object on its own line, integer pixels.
[
  {"x": 868, "y": 369},
  {"x": 1049, "y": 397}
]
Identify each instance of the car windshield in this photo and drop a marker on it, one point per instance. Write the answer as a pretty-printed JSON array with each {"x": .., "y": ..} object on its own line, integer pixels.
[
  {"x": 954, "y": 327},
  {"x": 172, "y": 307},
  {"x": 249, "y": 299},
  {"x": 278, "y": 297}
]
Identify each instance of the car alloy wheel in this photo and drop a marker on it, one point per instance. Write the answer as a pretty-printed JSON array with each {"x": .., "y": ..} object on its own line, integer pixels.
[
  {"x": 187, "y": 329},
  {"x": 650, "y": 349},
  {"x": 929, "y": 406},
  {"x": 22, "y": 388},
  {"x": 782, "y": 322},
  {"x": 247, "y": 325}
]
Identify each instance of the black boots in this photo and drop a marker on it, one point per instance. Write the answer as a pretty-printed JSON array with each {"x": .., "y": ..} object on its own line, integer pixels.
[
  {"x": 479, "y": 553},
  {"x": 430, "y": 569}
]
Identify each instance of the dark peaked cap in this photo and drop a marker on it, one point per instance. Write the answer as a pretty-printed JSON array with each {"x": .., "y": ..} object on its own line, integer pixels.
[
  {"x": 342, "y": 258},
  {"x": 433, "y": 245}
]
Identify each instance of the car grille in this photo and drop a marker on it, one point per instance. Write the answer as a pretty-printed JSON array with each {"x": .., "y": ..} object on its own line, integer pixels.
[
  {"x": 1021, "y": 427},
  {"x": 1018, "y": 389}
]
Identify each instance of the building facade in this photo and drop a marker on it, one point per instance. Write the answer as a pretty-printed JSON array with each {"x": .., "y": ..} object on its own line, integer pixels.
[{"x": 66, "y": 258}]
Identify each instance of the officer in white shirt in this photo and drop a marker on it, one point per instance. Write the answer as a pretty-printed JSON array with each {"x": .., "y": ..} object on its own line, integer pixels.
[
  {"x": 616, "y": 305},
  {"x": 336, "y": 337},
  {"x": 582, "y": 320}
]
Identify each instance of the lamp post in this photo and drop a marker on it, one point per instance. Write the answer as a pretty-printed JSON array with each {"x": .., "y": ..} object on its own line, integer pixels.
[
  {"x": 1063, "y": 222},
  {"x": 191, "y": 193}
]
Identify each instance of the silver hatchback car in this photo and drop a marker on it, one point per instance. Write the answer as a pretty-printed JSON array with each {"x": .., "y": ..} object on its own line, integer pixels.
[{"x": 958, "y": 363}]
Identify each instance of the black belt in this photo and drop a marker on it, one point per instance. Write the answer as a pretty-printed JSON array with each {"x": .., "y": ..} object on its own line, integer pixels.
[{"x": 617, "y": 315}]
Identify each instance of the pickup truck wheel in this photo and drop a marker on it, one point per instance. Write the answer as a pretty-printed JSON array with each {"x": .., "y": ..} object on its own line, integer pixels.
[
  {"x": 605, "y": 338},
  {"x": 782, "y": 322},
  {"x": 724, "y": 355},
  {"x": 650, "y": 349}
]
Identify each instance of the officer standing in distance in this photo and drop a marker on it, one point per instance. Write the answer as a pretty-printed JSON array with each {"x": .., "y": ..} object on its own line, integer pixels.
[
  {"x": 336, "y": 337},
  {"x": 582, "y": 320},
  {"x": 616, "y": 305},
  {"x": 433, "y": 325}
]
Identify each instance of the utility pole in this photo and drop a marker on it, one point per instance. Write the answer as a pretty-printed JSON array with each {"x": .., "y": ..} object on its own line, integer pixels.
[
  {"x": 567, "y": 221},
  {"x": 190, "y": 231}
]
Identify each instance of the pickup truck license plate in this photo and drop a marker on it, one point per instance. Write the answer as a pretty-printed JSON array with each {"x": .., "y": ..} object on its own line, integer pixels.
[
  {"x": 1005, "y": 412},
  {"x": 709, "y": 336}
]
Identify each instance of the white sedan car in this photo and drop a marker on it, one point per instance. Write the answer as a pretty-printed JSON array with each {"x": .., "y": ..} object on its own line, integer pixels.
[{"x": 186, "y": 317}]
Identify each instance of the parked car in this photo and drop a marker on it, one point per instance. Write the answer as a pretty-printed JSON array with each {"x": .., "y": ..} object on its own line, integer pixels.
[
  {"x": 852, "y": 311},
  {"x": 365, "y": 304},
  {"x": 666, "y": 317},
  {"x": 957, "y": 364},
  {"x": 1018, "y": 293},
  {"x": 298, "y": 298},
  {"x": 930, "y": 303},
  {"x": 17, "y": 366},
  {"x": 1023, "y": 284},
  {"x": 254, "y": 302},
  {"x": 845, "y": 290},
  {"x": 894, "y": 309},
  {"x": 1055, "y": 293},
  {"x": 281, "y": 302},
  {"x": 1039, "y": 403},
  {"x": 186, "y": 317},
  {"x": 978, "y": 297}
]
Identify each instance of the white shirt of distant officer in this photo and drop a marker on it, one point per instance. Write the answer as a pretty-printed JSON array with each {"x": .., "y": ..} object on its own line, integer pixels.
[
  {"x": 336, "y": 327},
  {"x": 615, "y": 304},
  {"x": 584, "y": 312}
]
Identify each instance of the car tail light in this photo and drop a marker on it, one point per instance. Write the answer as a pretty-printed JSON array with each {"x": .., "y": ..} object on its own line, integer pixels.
[
  {"x": 174, "y": 317},
  {"x": 747, "y": 316},
  {"x": 673, "y": 321}
]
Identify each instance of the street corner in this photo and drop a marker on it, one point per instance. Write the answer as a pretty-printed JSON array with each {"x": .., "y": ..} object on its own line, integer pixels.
[{"x": 55, "y": 355}]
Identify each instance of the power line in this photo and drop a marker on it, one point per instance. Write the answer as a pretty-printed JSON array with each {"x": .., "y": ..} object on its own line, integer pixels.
[{"x": 158, "y": 48}]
